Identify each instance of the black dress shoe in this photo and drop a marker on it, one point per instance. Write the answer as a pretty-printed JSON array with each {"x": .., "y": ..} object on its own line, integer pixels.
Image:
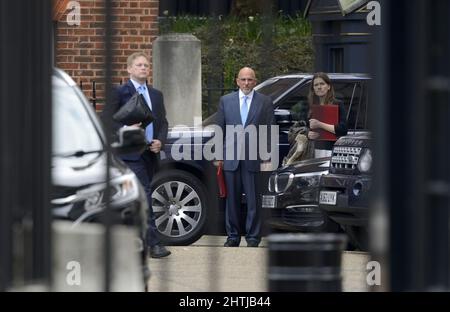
[
  {"x": 252, "y": 243},
  {"x": 158, "y": 251},
  {"x": 231, "y": 243}
]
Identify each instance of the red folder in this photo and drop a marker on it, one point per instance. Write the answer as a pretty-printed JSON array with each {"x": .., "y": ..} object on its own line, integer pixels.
[
  {"x": 221, "y": 182},
  {"x": 328, "y": 114}
]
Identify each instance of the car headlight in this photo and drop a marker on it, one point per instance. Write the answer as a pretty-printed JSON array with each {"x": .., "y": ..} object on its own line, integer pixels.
[
  {"x": 124, "y": 189},
  {"x": 283, "y": 181},
  {"x": 310, "y": 179},
  {"x": 365, "y": 161},
  {"x": 271, "y": 185}
]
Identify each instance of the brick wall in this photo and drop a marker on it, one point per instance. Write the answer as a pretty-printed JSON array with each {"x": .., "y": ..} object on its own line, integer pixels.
[{"x": 79, "y": 49}]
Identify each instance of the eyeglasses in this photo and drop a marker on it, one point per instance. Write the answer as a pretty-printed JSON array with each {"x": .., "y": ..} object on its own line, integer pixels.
[
  {"x": 142, "y": 64},
  {"x": 246, "y": 79}
]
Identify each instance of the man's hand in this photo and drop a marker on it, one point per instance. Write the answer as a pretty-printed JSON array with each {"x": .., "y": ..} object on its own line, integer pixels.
[{"x": 155, "y": 146}]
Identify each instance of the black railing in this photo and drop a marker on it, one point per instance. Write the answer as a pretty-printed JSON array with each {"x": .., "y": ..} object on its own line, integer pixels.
[
  {"x": 93, "y": 98},
  {"x": 25, "y": 139},
  {"x": 210, "y": 97},
  {"x": 222, "y": 7}
]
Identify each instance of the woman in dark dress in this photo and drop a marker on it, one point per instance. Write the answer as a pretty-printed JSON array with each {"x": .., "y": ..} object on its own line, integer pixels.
[{"x": 322, "y": 93}]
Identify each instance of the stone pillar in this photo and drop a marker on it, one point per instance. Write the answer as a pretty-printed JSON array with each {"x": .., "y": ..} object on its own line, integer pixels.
[{"x": 177, "y": 73}]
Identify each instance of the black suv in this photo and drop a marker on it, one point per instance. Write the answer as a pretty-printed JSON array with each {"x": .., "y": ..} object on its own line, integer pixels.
[
  {"x": 344, "y": 192},
  {"x": 293, "y": 191},
  {"x": 185, "y": 196}
]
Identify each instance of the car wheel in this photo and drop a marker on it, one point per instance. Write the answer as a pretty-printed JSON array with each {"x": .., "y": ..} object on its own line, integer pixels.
[{"x": 179, "y": 204}]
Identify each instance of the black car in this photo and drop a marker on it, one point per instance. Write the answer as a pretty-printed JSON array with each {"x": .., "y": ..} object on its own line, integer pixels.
[
  {"x": 293, "y": 191},
  {"x": 345, "y": 191},
  {"x": 79, "y": 165},
  {"x": 185, "y": 194},
  {"x": 292, "y": 198}
]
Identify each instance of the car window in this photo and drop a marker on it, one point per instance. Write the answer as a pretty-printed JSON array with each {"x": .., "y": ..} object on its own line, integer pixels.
[
  {"x": 297, "y": 102},
  {"x": 351, "y": 93},
  {"x": 276, "y": 87},
  {"x": 73, "y": 129}
]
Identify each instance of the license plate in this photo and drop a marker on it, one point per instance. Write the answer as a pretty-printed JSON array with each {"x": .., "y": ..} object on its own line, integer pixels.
[
  {"x": 328, "y": 198},
  {"x": 268, "y": 201}
]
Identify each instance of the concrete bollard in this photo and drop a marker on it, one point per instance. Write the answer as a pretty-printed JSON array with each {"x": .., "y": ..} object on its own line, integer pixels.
[
  {"x": 78, "y": 259},
  {"x": 305, "y": 262},
  {"x": 177, "y": 72}
]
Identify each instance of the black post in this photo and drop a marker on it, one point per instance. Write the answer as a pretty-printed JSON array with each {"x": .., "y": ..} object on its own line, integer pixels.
[
  {"x": 267, "y": 63},
  {"x": 436, "y": 139},
  {"x": 94, "y": 95},
  {"x": 305, "y": 262},
  {"x": 108, "y": 127},
  {"x": 25, "y": 140},
  {"x": 214, "y": 72},
  {"x": 413, "y": 139}
]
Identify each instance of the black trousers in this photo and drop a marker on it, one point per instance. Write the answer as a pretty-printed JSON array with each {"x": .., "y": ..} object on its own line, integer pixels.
[
  {"x": 144, "y": 170},
  {"x": 238, "y": 181}
]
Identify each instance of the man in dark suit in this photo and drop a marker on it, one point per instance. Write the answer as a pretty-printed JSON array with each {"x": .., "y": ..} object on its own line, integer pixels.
[
  {"x": 144, "y": 165},
  {"x": 253, "y": 111}
]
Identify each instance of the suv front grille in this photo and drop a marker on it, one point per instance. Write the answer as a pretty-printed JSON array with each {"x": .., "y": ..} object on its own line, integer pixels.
[{"x": 345, "y": 157}]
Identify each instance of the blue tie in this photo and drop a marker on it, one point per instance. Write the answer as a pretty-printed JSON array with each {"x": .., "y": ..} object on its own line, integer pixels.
[
  {"x": 244, "y": 111},
  {"x": 149, "y": 129}
]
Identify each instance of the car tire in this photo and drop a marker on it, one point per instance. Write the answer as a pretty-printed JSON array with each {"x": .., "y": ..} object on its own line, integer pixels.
[{"x": 181, "y": 215}]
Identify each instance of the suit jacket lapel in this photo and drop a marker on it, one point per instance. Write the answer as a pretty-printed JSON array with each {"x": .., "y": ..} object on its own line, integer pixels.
[
  {"x": 131, "y": 87},
  {"x": 152, "y": 99},
  {"x": 235, "y": 108}
]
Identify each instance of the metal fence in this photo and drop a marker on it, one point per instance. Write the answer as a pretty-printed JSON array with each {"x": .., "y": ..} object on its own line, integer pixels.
[
  {"x": 222, "y": 7},
  {"x": 93, "y": 98}
]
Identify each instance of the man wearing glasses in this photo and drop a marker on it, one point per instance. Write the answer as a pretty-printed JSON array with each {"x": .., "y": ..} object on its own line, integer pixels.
[
  {"x": 249, "y": 111},
  {"x": 145, "y": 164}
]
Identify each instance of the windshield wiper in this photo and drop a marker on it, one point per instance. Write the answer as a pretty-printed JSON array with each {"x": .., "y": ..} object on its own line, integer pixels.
[{"x": 79, "y": 153}]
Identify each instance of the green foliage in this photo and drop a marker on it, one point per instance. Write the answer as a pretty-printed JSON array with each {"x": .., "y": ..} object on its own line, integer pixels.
[{"x": 270, "y": 45}]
